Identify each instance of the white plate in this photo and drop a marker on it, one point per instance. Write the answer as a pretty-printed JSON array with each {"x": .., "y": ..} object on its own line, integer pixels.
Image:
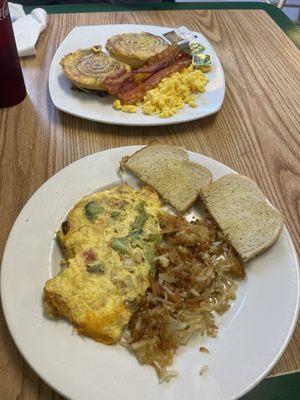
[
  {"x": 252, "y": 334},
  {"x": 100, "y": 109}
]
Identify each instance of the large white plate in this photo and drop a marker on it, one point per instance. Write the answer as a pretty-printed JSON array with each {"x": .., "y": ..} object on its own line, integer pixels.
[
  {"x": 252, "y": 334},
  {"x": 100, "y": 109}
]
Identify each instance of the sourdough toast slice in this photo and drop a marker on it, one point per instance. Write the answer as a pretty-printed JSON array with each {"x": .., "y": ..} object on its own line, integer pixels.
[
  {"x": 242, "y": 212},
  {"x": 168, "y": 170}
]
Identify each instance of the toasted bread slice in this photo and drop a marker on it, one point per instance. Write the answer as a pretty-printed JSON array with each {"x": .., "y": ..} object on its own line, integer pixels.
[
  {"x": 169, "y": 171},
  {"x": 241, "y": 210}
]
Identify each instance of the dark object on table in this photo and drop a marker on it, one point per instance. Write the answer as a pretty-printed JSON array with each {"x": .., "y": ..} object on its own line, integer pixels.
[{"x": 13, "y": 89}]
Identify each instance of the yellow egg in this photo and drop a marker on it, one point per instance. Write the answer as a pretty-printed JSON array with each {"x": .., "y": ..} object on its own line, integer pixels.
[
  {"x": 171, "y": 94},
  {"x": 128, "y": 108},
  {"x": 174, "y": 92},
  {"x": 117, "y": 105},
  {"x": 108, "y": 244}
]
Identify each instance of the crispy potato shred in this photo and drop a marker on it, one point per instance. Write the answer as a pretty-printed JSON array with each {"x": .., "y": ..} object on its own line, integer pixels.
[{"x": 194, "y": 278}]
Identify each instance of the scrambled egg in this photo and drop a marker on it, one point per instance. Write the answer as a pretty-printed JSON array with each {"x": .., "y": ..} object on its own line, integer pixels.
[
  {"x": 108, "y": 241},
  {"x": 124, "y": 107},
  {"x": 171, "y": 94}
]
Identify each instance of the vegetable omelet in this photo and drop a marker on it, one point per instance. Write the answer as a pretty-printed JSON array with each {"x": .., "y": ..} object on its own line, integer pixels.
[{"x": 107, "y": 241}]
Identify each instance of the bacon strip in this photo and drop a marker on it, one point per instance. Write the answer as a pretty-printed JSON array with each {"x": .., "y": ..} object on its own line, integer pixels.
[
  {"x": 156, "y": 63},
  {"x": 160, "y": 60},
  {"x": 114, "y": 82},
  {"x": 138, "y": 92},
  {"x": 130, "y": 87}
]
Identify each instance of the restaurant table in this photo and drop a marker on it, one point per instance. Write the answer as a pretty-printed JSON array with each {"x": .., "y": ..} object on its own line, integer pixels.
[{"x": 256, "y": 133}]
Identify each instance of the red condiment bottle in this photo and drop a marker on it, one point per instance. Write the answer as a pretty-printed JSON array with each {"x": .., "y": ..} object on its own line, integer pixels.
[{"x": 12, "y": 87}]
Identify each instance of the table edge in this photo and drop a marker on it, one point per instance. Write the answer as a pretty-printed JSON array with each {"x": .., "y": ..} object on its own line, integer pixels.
[{"x": 275, "y": 13}]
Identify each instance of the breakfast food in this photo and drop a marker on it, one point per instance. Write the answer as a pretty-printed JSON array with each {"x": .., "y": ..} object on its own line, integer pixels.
[
  {"x": 134, "y": 273},
  {"x": 240, "y": 209},
  {"x": 163, "y": 86},
  {"x": 168, "y": 170},
  {"x": 172, "y": 93},
  {"x": 195, "y": 277},
  {"x": 87, "y": 68},
  {"x": 131, "y": 87},
  {"x": 108, "y": 244},
  {"x": 157, "y": 74},
  {"x": 135, "y": 49}
]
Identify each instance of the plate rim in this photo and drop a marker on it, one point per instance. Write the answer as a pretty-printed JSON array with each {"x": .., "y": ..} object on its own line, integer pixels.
[
  {"x": 160, "y": 121},
  {"x": 136, "y": 147}
]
